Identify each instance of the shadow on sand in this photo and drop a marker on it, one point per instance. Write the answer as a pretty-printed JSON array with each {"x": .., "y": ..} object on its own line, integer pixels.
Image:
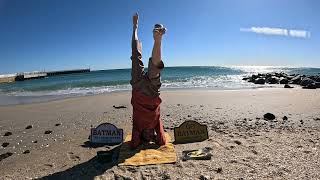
[
  {"x": 86, "y": 170},
  {"x": 97, "y": 165}
]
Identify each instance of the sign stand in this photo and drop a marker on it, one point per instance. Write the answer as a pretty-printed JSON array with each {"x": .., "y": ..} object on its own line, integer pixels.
[
  {"x": 106, "y": 133},
  {"x": 190, "y": 131}
]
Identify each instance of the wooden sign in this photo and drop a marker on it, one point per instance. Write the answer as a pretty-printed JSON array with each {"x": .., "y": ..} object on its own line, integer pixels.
[
  {"x": 190, "y": 131},
  {"x": 106, "y": 133}
]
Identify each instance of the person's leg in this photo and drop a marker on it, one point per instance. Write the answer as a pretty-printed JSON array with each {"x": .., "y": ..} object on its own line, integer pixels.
[
  {"x": 155, "y": 62},
  {"x": 137, "y": 69},
  {"x": 155, "y": 67}
]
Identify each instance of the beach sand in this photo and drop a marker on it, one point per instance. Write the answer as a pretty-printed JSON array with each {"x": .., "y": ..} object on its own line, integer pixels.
[{"x": 244, "y": 144}]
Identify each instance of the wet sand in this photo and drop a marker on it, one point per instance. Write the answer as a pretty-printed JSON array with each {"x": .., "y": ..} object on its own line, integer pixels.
[{"x": 49, "y": 140}]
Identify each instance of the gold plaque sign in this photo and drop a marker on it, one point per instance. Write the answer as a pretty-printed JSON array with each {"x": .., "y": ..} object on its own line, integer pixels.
[{"x": 190, "y": 131}]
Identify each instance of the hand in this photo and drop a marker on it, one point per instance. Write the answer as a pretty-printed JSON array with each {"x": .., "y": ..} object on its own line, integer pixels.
[{"x": 135, "y": 20}]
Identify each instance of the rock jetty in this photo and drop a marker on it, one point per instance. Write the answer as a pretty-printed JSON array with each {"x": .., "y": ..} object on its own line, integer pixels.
[{"x": 306, "y": 81}]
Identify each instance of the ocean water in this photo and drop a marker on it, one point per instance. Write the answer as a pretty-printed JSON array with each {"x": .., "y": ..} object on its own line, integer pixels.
[{"x": 107, "y": 81}]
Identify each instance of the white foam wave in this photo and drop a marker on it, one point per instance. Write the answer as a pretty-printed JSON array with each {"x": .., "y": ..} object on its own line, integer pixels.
[
  {"x": 211, "y": 82},
  {"x": 217, "y": 82},
  {"x": 73, "y": 91}
]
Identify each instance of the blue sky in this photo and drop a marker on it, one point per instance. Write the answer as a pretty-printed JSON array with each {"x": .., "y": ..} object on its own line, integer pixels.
[{"x": 60, "y": 34}]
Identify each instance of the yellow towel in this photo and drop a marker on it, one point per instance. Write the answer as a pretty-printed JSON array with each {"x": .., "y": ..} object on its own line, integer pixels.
[{"x": 152, "y": 154}]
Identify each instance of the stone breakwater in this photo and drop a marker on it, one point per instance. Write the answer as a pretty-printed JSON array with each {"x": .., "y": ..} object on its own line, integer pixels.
[
  {"x": 306, "y": 81},
  {"x": 37, "y": 75}
]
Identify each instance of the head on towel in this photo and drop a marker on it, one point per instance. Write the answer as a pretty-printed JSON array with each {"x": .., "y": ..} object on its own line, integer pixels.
[{"x": 148, "y": 135}]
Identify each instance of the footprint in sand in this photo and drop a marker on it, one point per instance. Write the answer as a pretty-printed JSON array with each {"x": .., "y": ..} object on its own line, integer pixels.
[{"x": 73, "y": 157}]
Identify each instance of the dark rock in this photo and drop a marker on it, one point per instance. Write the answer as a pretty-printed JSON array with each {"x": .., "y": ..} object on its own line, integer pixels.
[
  {"x": 58, "y": 124},
  {"x": 287, "y": 86},
  {"x": 290, "y": 77},
  {"x": 254, "y": 152},
  {"x": 301, "y": 121},
  {"x": 189, "y": 115},
  {"x": 202, "y": 177},
  {"x": 315, "y": 78},
  {"x": 273, "y": 80},
  {"x": 165, "y": 176},
  {"x": 296, "y": 80},
  {"x": 317, "y": 119},
  {"x": 317, "y": 84},
  {"x": 260, "y": 81},
  {"x": 233, "y": 161},
  {"x": 26, "y": 152},
  {"x": 35, "y": 141},
  {"x": 284, "y": 81},
  {"x": 5, "y": 144},
  {"x": 121, "y": 177},
  {"x": 268, "y": 75},
  {"x": 251, "y": 79},
  {"x": 29, "y": 127},
  {"x": 246, "y": 78},
  {"x": 285, "y": 118},
  {"x": 306, "y": 81},
  {"x": 5, "y": 155},
  {"x": 48, "y": 132},
  {"x": 237, "y": 142},
  {"x": 48, "y": 165},
  {"x": 283, "y": 75},
  {"x": 119, "y": 107},
  {"x": 255, "y": 76},
  {"x": 310, "y": 86},
  {"x": 219, "y": 170},
  {"x": 269, "y": 116},
  {"x": 7, "y": 133}
]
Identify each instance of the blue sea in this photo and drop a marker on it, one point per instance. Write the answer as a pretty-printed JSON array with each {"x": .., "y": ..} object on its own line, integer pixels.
[{"x": 108, "y": 81}]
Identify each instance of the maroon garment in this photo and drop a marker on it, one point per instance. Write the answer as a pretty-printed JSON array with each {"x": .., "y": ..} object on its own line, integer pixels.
[{"x": 146, "y": 115}]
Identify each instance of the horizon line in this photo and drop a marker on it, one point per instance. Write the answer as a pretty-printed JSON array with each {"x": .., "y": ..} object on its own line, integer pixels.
[{"x": 228, "y": 66}]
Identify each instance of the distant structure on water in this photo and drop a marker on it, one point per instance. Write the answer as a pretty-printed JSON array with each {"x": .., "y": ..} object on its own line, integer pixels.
[{"x": 37, "y": 75}]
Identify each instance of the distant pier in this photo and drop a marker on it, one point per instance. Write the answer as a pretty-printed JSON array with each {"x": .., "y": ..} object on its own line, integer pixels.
[
  {"x": 37, "y": 75},
  {"x": 30, "y": 75},
  {"x": 55, "y": 73}
]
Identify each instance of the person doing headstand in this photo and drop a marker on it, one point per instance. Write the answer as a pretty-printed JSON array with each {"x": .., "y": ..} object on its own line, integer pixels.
[{"x": 147, "y": 126}]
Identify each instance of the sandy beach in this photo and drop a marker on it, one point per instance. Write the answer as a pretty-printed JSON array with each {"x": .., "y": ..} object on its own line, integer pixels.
[{"x": 244, "y": 144}]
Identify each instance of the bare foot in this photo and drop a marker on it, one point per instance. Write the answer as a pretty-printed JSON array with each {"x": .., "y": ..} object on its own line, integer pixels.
[
  {"x": 158, "y": 32},
  {"x": 135, "y": 20}
]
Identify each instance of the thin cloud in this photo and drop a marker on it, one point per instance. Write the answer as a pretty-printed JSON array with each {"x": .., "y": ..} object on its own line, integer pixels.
[{"x": 278, "y": 31}]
